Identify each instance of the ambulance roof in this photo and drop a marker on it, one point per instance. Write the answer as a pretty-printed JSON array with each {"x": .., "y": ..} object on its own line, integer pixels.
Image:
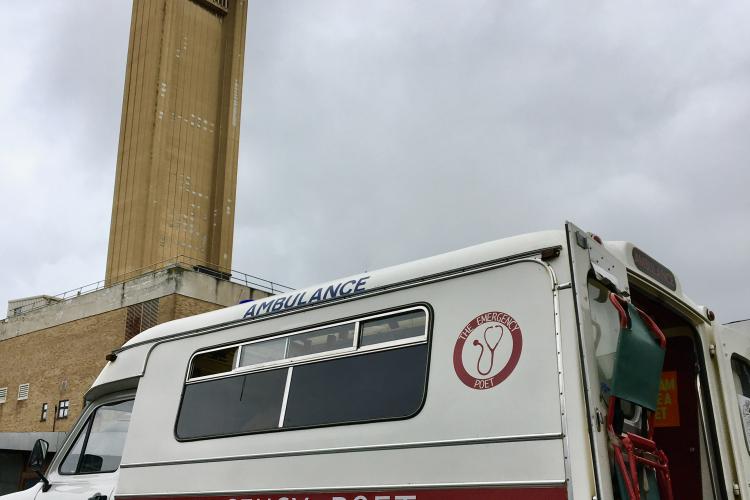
[{"x": 367, "y": 281}]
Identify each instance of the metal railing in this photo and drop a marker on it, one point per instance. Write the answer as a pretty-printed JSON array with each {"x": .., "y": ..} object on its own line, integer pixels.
[{"x": 232, "y": 275}]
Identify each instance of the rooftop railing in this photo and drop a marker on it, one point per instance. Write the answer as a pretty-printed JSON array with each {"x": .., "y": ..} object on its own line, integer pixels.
[{"x": 232, "y": 275}]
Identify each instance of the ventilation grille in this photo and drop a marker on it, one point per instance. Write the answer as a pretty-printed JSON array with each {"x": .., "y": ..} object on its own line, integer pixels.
[
  {"x": 141, "y": 317},
  {"x": 218, "y": 6},
  {"x": 3, "y": 394},
  {"x": 23, "y": 392}
]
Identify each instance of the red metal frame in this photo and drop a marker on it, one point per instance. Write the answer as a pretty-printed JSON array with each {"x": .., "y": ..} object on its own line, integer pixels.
[
  {"x": 618, "y": 302},
  {"x": 638, "y": 449}
]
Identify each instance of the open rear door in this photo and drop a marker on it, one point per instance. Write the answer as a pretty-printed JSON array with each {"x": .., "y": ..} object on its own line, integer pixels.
[
  {"x": 594, "y": 273},
  {"x": 733, "y": 353}
]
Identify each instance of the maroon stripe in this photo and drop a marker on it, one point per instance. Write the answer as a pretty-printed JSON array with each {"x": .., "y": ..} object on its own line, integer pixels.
[{"x": 518, "y": 493}]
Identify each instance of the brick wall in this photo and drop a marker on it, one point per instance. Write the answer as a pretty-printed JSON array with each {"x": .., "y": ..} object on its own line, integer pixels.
[
  {"x": 61, "y": 362},
  {"x": 188, "y": 306}
]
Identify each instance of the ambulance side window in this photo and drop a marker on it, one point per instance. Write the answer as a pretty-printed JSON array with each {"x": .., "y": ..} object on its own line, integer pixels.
[
  {"x": 377, "y": 386},
  {"x": 214, "y": 362},
  {"x": 248, "y": 403},
  {"x": 98, "y": 447},
  {"x": 372, "y": 368},
  {"x": 741, "y": 375}
]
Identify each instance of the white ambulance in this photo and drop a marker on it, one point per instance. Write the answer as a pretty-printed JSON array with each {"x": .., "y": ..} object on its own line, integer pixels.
[{"x": 545, "y": 366}]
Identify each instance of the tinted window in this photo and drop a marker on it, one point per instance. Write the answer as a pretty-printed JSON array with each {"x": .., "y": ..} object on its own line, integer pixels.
[
  {"x": 323, "y": 378},
  {"x": 293, "y": 346},
  {"x": 213, "y": 362},
  {"x": 396, "y": 327},
  {"x": 103, "y": 438},
  {"x": 233, "y": 405},
  {"x": 383, "y": 385},
  {"x": 263, "y": 352},
  {"x": 326, "y": 339}
]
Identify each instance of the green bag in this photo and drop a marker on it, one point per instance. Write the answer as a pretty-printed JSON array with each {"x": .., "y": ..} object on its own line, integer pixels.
[{"x": 638, "y": 364}]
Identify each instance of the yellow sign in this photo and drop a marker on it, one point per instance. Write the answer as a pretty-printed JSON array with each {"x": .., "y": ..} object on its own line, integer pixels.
[{"x": 667, "y": 408}]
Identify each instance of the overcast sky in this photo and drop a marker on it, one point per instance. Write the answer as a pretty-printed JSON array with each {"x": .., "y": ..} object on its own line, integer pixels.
[{"x": 376, "y": 132}]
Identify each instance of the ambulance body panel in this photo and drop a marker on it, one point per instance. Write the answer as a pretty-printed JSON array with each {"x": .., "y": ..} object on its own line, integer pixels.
[
  {"x": 477, "y": 374},
  {"x": 452, "y": 426}
]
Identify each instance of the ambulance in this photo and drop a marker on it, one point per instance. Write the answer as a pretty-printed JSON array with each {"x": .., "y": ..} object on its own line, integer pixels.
[{"x": 546, "y": 366}]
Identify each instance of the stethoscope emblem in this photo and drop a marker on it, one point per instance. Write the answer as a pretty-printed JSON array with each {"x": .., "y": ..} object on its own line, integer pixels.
[
  {"x": 481, "y": 369},
  {"x": 491, "y": 342}
]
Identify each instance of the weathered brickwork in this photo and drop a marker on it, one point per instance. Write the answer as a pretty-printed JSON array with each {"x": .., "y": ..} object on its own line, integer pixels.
[
  {"x": 59, "y": 363},
  {"x": 187, "y": 306},
  {"x": 166, "y": 308},
  {"x": 62, "y": 362}
]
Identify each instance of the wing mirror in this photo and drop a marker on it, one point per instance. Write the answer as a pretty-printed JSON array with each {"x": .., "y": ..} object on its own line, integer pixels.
[{"x": 37, "y": 459}]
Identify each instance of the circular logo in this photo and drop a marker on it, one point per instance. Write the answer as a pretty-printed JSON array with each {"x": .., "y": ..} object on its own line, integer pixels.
[{"x": 487, "y": 350}]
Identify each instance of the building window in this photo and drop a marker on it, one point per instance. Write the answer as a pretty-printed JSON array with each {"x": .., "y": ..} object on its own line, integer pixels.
[
  {"x": 3, "y": 394},
  {"x": 23, "y": 392},
  {"x": 63, "y": 409},
  {"x": 43, "y": 417}
]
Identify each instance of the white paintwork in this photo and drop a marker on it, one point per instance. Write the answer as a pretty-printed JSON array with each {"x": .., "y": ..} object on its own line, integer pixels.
[
  {"x": 732, "y": 342},
  {"x": 451, "y": 412},
  {"x": 581, "y": 262},
  {"x": 485, "y": 252},
  {"x": 534, "y": 462},
  {"x": 530, "y": 429},
  {"x": 131, "y": 361}
]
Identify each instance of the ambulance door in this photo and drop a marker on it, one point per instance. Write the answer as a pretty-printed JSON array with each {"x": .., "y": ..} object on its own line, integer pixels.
[
  {"x": 88, "y": 465},
  {"x": 733, "y": 353},
  {"x": 594, "y": 273}
]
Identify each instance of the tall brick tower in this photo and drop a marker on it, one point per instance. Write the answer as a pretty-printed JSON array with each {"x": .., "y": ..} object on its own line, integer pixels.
[
  {"x": 176, "y": 173},
  {"x": 170, "y": 243}
]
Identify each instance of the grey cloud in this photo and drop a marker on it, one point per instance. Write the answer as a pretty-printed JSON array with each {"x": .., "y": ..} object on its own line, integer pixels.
[
  {"x": 394, "y": 130},
  {"x": 378, "y": 132}
]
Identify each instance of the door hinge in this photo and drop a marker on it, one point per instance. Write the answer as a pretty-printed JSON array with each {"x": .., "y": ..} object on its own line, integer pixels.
[
  {"x": 736, "y": 489},
  {"x": 550, "y": 253},
  {"x": 581, "y": 240},
  {"x": 712, "y": 350}
]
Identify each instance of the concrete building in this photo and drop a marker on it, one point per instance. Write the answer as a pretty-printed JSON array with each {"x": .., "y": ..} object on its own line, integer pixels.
[{"x": 170, "y": 244}]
